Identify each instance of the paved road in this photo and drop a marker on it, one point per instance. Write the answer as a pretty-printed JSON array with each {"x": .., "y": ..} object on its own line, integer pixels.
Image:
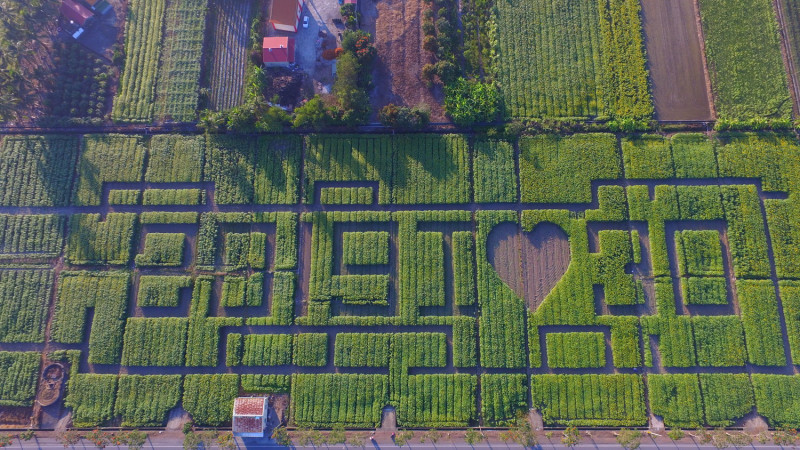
[{"x": 253, "y": 444}]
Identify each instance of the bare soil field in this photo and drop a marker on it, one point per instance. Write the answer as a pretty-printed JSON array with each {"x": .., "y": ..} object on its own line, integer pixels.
[
  {"x": 230, "y": 21},
  {"x": 530, "y": 263},
  {"x": 396, "y": 26},
  {"x": 676, "y": 60}
]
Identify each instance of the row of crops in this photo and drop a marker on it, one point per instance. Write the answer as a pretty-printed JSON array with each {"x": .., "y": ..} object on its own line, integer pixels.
[
  {"x": 409, "y": 169},
  {"x": 163, "y": 53},
  {"x": 683, "y": 400},
  {"x": 598, "y": 70}
]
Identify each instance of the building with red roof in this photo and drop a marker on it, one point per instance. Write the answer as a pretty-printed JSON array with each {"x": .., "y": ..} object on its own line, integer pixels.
[
  {"x": 284, "y": 15},
  {"x": 249, "y": 416},
  {"x": 278, "y": 51},
  {"x": 76, "y": 13}
]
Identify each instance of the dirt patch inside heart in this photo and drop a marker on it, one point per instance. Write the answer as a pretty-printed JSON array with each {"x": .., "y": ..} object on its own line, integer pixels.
[{"x": 530, "y": 263}]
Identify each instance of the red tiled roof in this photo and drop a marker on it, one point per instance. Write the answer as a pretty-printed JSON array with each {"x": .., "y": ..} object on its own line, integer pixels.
[
  {"x": 278, "y": 50},
  {"x": 284, "y": 12},
  {"x": 248, "y": 406},
  {"x": 75, "y": 12},
  {"x": 247, "y": 425}
]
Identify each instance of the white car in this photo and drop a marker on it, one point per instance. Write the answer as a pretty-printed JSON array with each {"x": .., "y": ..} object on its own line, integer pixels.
[{"x": 305, "y": 22}]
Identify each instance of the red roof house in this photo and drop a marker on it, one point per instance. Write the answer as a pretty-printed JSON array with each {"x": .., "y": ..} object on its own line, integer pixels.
[
  {"x": 278, "y": 51},
  {"x": 75, "y": 12},
  {"x": 285, "y": 14},
  {"x": 249, "y": 416}
]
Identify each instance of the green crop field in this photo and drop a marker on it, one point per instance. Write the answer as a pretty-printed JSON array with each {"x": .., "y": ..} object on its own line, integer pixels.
[
  {"x": 743, "y": 51},
  {"x": 597, "y": 69},
  {"x": 460, "y": 279}
]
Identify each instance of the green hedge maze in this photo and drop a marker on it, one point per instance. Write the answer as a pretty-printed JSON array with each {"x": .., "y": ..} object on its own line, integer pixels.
[{"x": 594, "y": 279}]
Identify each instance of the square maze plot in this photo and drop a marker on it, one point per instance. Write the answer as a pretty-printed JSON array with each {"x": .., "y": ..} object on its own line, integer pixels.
[{"x": 459, "y": 280}]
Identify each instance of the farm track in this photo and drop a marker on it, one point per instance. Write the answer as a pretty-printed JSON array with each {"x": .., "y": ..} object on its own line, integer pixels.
[{"x": 373, "y": 128}]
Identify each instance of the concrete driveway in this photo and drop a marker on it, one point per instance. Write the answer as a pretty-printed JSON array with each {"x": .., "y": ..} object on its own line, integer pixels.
[{"x": 321, "y": 33}]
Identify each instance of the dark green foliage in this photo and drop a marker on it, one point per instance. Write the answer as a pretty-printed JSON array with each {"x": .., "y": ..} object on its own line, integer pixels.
[
  {"x": 468, "y": 102},
  {"x": 311, "y": 349},
  {"x": 676, "y": 398},
  {"x": 94, "y": 242},
  {"x": 719, "y": 341},
  {"x": 365, "y": 247},
  {"x": 266, "y": 383},
  {"x": 107, "y": 293},
  {"x": 19, "y": 372},
  {"x": 778, "y": 398},
  {"x": 31, "y": 236},
  {"x": 162, "y": 250},
  {"x": 576, "y": 350},
  {"x": 145, "y": 400},
  {"x": 262, "y": 171},
  {"x": 358, "y": 402},
  {"x": 161, "y": 290},
  {"x": 154, "y": 341},
  {"x": 599, "y": 400},
  {"x": 699, "y": 253},
  {"x": 551, "y": 167},
  {"x": 107, "y": 158},
  {"x": 91, "y": 397},
  {"x": 37, "y": 170},
  {"x": 267, "y": 350},
  {"x": 361, "y": 350},
  {"x": 24, "y": 297},
  {"x": 503, "y": 397},
  {"x": 726, "y": 397},
  {"x": 493, "y": 171},
  {"x": 175, "y": 158},
  {"x": 762, "y": 328},
  {"x": 209, "y": 398}
]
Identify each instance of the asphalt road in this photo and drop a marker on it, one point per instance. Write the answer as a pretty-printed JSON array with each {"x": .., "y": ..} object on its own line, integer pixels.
[{"x": 177, "y": 443}]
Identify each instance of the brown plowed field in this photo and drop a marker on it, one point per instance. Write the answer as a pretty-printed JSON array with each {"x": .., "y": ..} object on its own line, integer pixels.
[
  {"x": 396, "y": 26},
  {"x": 676, "y": 62},
  {"x": 529, "y": 263}
]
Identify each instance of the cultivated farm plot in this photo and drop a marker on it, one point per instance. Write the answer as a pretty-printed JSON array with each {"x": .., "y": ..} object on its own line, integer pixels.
[
  {"x": 397, "y": 272},
  {"x": 230, "y": 23},
  {"x": 595, "y": 70},
  {"x": 675, "y": 60},
  {"x": 743, "y": 50}
]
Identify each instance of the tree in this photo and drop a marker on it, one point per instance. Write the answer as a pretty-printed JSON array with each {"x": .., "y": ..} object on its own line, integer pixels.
[
  {"x": 99, "y": 438},
  {"x": 572, "y": 437},
  {"x": 468, "y": 102},
  {"x": 676, "y": 434},
  {"x": 281, "y": 437},
  {"x": 68, "y": 438},
  {"x": 225, "y": 441},
  {"x": 473, "y": 436},
  {"x": 432, "y": 435},
  {"x": 312, "y": 114},
  {"x": 356, "y": 440},
  {"x": 402, "y": 437},
  {"x": 337, "y": 435},
  {"x": 404, "y": 118},
  {"x": 5, "y": 440},
  {"x": 629, "y": 439}
]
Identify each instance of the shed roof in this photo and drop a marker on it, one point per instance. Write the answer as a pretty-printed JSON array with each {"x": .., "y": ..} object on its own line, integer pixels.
[
  {"x": 247, "y": 424},
  {"x": 278, "y": 50},
  {"x": 75, "y": 12},
  {"x": 249, "y": 406},
  {"x": 284, "y": 12}
]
